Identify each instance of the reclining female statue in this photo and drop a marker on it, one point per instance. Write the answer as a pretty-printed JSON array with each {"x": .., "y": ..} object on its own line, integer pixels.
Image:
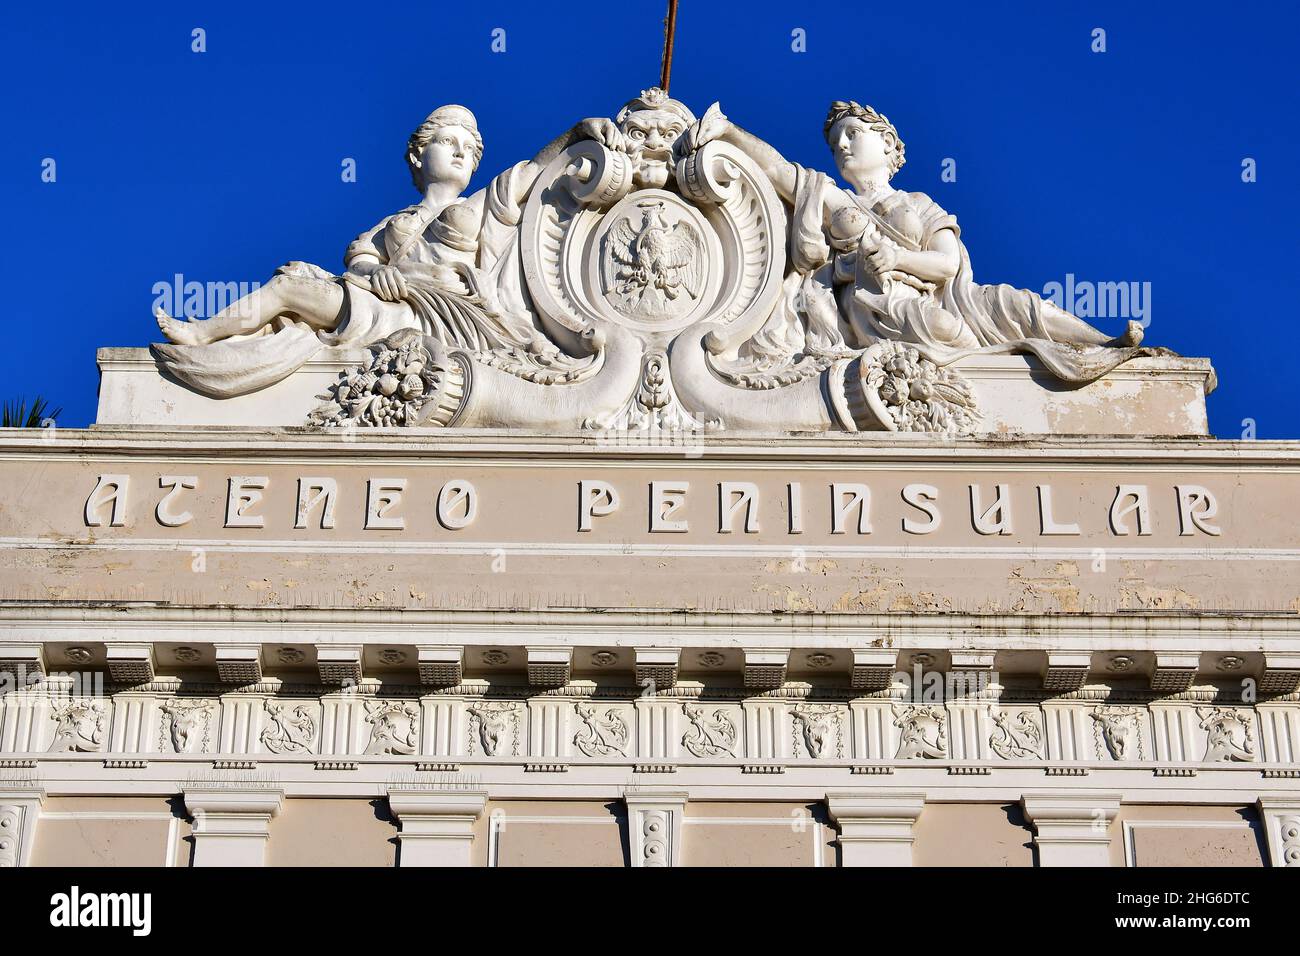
[
  {"x": 895, "y": 263},
  {"x": 441, "y": 266}
]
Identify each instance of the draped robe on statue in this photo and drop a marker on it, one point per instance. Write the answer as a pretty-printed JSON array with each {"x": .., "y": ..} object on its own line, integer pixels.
[
  {"x": 948, "y": 321},
  {"x": 464, "y": 281}
]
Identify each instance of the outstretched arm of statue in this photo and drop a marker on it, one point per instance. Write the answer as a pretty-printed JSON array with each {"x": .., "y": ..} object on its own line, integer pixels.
[
  {"x": 713, "y": 125},
  {"x": 602, "y": 130}
]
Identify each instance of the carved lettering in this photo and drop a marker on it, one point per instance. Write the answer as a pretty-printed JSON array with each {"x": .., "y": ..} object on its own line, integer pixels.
[
  {"x": 746, "y": 496},
  {"x": 665, "y": 498},
  {"x": 922, "y": 497},
  {"x": 313, "y": 492},
  {"x": 457, "y": 504},
  {"x": 109, "y": 490},
  {"x": 383, "y": 495},
  {"x": 1196, "y": 506},
  {"x": 1048, "y": 523},
  {"x": 163, "y": 512},
  {"x": 596, "y": 499},
  {"x": 844, "y": 498},
  {"x": 1136, "y": 498},
  {"x": 244, "y": 492},
  {"x": 996, "y": 519}
]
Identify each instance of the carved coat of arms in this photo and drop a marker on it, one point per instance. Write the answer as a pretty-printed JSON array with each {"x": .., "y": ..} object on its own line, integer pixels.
[{"x": 652, "y": 268}]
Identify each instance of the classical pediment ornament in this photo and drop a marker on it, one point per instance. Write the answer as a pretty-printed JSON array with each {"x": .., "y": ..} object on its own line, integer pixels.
[
  {"x": 923, "y": 731},
  {"x": 710, "y": 735},
  {"x": 1229, "y": 734},
  {"x": 1117, "y": 732},
  {"x": 1016, "y": 736},
  {"x": 601, "y": 735},
  {"x": 79, "y": 726},
  {"x": 292, "y": 728},
  {"x": 186, "y": 724},
  {"x": 394, "y": 726},
  {"x": 650, "y": 272}
]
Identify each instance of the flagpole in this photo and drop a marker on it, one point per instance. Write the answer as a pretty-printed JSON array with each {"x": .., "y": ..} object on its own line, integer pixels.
[{"x": 670, "y": 27}]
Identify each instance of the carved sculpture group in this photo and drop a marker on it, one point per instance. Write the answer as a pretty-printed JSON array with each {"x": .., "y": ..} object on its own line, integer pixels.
[{"x": 654, "y": 271}]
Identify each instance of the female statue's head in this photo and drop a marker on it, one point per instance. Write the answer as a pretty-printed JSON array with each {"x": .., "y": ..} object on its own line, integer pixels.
[
  {"x": 863, "y": 141},
  {"x": 445, "y": 148}
]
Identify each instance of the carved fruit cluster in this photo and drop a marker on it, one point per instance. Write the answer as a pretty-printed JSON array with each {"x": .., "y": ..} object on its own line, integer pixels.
[
  {"x": 916, "y": 394},
  {"x": 391, "y": 390}
]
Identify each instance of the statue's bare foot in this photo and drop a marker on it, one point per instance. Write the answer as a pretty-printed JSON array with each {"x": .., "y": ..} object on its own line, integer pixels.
[
  {"x": 182, "y": 333},
  {"x": 1131, "y": 338}
]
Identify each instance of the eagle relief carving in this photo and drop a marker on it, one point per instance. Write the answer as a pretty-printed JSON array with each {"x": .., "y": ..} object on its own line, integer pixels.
[{"x": 653, "y": 269}]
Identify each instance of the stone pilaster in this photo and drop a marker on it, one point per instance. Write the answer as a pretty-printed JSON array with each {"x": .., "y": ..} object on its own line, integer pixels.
[
  {"x": 654, "y": 824},
  {"x": 19, "y": 811},
  {"x": 232, "y": 826},
  {"x": 1281, "y": 820},
  {"x": 437, "y": 825},
  {"x": 875, "y": 828},
  {"x": 1071, "y": 828}
]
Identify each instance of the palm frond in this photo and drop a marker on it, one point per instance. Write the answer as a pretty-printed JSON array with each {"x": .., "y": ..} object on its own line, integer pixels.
[{"x": 16, "y": 414}]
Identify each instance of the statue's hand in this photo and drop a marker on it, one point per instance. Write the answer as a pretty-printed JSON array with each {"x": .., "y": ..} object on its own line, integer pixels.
[
  {"x": 712, "y": 125},
  {"x": 388, "y": 283},
  {"x": 605, "y": 132},
  {"x": 885, "y": 257}
]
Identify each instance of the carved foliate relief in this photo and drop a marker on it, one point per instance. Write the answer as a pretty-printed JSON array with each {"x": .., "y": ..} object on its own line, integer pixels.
[
  {"x": 79, "y": 725},
  {"x": 815, "y": 728},
  {"x": 602, "y": 735},
  {"x": 1117, "y": 732},
  {"x": 490, "y": 724},
  {"x": 710, "y": 735},
  {"x": 923, "y": 731},
  {"x": 291, "y": 728},
  {"x": 394, "y": 726},
  {"x": 1017, "y": 735},
  {"x": 186, "y": 725},
  {"x": 1229, "y": 734}
]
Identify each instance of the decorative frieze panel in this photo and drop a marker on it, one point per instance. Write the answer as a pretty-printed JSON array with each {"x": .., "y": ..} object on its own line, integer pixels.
[
  {"x": 1017, "y": 733},
  {"x": 922, "y": 731},
  {"x": 713, "y": 730},
  {"x": 1117, "y": 733},
  {"x": 291, "y": 727},
  {"x": 818, "y": 732},
  {"x": 187, "y": 726},
  {"x": 494, "y": 728},
  {"x": 603, "y": 732},
  {"x": 685, "y": 723},
  {"x": 80, "y": 725},
  {"x": 1229, "y": 734}
]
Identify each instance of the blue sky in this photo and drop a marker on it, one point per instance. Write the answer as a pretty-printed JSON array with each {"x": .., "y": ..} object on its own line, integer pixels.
[{"x": 1122, "y": 166}]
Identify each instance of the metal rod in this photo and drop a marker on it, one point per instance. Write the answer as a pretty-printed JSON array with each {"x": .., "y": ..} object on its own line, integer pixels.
[{"x": 670, "y": 27}]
